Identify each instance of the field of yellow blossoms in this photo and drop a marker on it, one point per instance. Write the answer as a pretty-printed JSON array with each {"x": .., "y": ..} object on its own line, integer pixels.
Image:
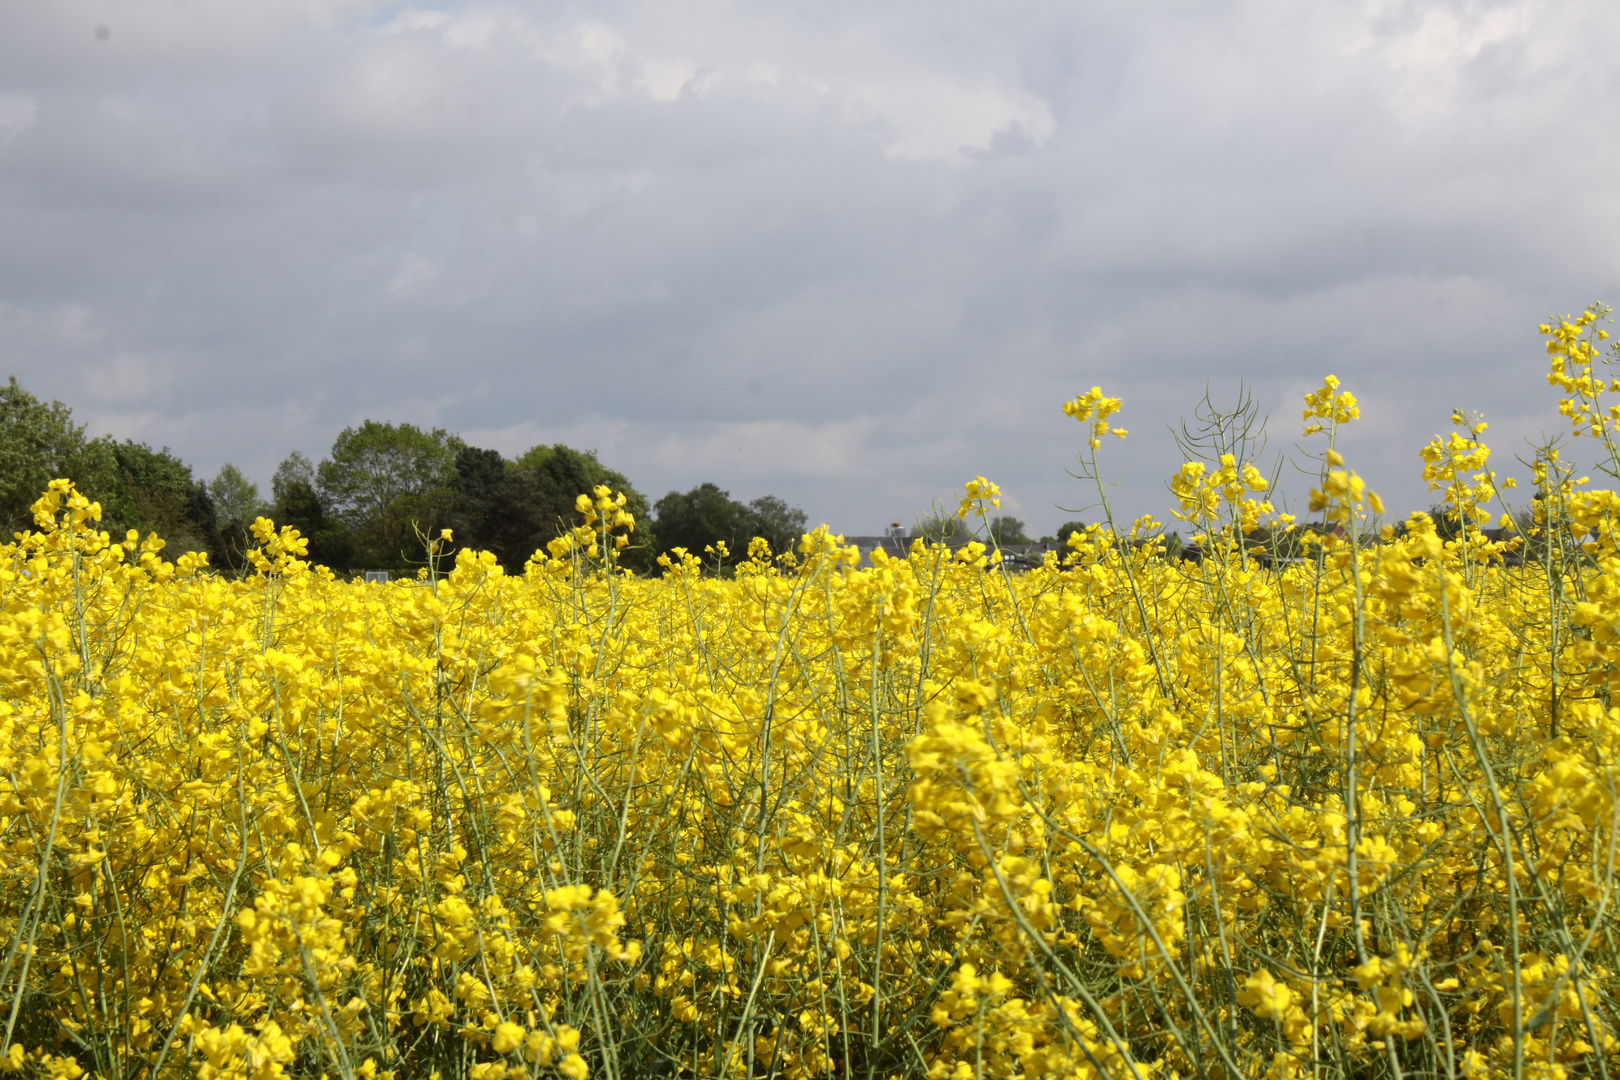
[{"x": 1348, "y": 813}]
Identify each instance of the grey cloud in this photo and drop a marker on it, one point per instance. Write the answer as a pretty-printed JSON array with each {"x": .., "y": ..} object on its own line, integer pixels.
[{"x": 850, "y": 257}]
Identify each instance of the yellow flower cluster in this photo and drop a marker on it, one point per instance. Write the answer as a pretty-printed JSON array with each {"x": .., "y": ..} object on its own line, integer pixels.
[
  {"x": 1572, "y": 343},
  {"x": 1094, "y": 408},
  {"x": 975, "y": 493},
  {"x": 1331, "y": 404},
  {"x": 1201, "y": 492},
  {"x": 1349, "y": 814}
]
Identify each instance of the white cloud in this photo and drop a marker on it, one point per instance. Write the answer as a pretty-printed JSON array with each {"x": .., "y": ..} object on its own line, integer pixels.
[
  {"x": 936, "y": 118},
  {"x": 761, "y": 449},
  {"x": 413, "y": 274},
  {"x": 73, "y": 326},
  {"x": 17, "y": 113},
  {"x": 604, "y": 435},
  {"x": 1427, "y": 60},
  {"x": 742, "y": 452},
  {"x": 851, "y": 255},
  {"x": 125, "y": 379},
  {"x": 83, "y": 36},
  {"x": 429, "y": 77}
]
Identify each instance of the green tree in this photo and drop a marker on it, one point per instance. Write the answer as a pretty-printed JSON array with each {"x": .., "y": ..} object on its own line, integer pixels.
[
  {"x": 384, "y": 484},
  {"x": 561, "y": 474},
  {"x": 698, "y": 518},
  {"x": 156, "y": 493},
  {"x": 297, "y": 504},
  {"x": 39, "y": 443},
  {"x": 1448, "y": 524},
  {"x": 294, "y": 468},
  {"x": 151, "y": 491},
  {"x": 942, "y": 527},
  {"x": 780, "y": 524},
  {"x": 237, "y": 504},
  {"x": 1008, "y": 530},
  {"x": 497, "y": 508},
  {"x": 1068, "y": 529},
  {"x": 236, "y": 498}
]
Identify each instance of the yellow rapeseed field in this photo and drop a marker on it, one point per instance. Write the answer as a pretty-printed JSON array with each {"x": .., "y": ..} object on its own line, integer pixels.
[{"x": 1349, "y": 813}]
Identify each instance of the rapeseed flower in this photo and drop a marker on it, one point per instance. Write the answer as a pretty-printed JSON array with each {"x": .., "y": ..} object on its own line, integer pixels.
[{"x": 1122, "y": 815}]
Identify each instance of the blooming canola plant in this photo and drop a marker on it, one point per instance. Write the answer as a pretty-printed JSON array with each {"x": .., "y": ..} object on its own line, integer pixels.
[{"x": 1350, "y": 813}]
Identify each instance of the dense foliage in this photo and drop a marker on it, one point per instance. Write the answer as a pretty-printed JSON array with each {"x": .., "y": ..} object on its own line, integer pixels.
[
  {"x": 1123, "y": 816},
  {"x": 709, "y": 520},
  {"x": 136, "y": 486},
  {"x": 371, "y": 503}
]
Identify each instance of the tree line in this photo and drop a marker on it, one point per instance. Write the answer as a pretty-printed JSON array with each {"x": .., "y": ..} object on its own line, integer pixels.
[{"x": 370, "y": 502}]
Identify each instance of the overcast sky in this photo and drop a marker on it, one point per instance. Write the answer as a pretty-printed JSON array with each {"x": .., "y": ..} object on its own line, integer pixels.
[{"x": 851, "y": 254}]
